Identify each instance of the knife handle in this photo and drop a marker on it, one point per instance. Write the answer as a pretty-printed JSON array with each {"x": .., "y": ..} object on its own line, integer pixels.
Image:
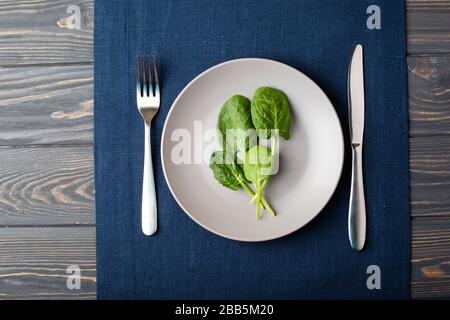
[{"x": 357, "y": 206}]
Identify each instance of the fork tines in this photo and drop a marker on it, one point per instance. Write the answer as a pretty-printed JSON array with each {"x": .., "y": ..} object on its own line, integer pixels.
[{"x": 147, "y": 84}]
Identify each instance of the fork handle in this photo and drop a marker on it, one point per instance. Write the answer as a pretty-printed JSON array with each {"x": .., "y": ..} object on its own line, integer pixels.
[
  {"x": 149, "y": 209},
  {"x": 357, "y": 207}
]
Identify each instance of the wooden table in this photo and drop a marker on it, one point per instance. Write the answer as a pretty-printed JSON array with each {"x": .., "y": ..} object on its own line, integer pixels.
[{"x": 47, "y": 216}]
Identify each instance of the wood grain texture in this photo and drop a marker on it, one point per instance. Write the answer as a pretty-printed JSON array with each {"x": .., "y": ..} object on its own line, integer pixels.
[
  {"x": 430, "y": 275},
  {"x": 46, "y": 105},
  {"x": 34, "y": 261},
  {"x": 46, "y": 186},
  {"x": 429, "y": 113},
  {"x": 428, "y": 26},
  {"x": 430, "y": 176},
  {"x": 429, "y": 95},
  {"x": 37, "y": 32}
]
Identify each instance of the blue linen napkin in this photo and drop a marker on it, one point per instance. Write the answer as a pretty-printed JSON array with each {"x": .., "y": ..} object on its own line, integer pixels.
[{"x": 184, "y": 261}]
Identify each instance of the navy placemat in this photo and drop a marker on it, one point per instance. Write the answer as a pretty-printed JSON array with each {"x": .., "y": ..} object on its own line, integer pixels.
[{"x": 184, "y": 261}]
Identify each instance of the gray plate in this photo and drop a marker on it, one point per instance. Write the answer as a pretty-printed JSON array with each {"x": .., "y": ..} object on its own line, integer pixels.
[{"x": 310, "y": 162}]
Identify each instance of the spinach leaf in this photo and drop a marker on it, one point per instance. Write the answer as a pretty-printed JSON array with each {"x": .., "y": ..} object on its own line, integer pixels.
[
  {"x": 257, "y": 164},
  {"x": 227, "y": 174},
  {"x": 230, "y": 175},
  {"x": 235, "y": 125},
  {"x": 270, "y": 110},
  {"x": 225, "y": 171}
]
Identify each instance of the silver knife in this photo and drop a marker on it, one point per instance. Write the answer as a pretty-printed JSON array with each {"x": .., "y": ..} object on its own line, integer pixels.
[{"x": 357, "y": 206}]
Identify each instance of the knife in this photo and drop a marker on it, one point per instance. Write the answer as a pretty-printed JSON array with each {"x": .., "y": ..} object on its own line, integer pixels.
[{"x": 357, "y": 205}]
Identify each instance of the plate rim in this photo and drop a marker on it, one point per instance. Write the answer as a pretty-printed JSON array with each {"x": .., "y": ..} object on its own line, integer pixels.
[{"x": 341, "y": 135}]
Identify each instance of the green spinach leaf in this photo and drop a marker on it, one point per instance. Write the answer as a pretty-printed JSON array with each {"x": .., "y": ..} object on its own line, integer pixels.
[
  {"x": 235, "y": 125},
  {"x": 257, "y": 164},
  {"x": 270, "y": 110},
  {"x": 226, "y": 170}
]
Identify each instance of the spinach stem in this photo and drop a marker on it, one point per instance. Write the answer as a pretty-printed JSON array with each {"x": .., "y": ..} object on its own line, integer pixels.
[
  {"x": 263, "y": 199},
  {"x": 246, "y": 188},
  {"x": 251, "y": 193},
  {"x": 268, "y": 207},
  {"x": 258, "y": 199},
  {"x": 263, "y": 185},
  {"x": 274, "y": 144}
]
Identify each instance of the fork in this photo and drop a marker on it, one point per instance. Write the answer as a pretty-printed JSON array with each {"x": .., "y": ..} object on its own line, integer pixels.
[{"x": 148, "y": 101}]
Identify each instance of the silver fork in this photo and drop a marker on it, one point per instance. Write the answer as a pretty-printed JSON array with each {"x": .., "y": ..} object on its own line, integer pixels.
[{"x": 148, "y": 101}]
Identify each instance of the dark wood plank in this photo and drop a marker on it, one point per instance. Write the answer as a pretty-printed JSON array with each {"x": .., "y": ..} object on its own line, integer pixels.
[
  {"x": 430, "y": 277},
  {"x": 429, "y": 95},
  {"x": 428, "y": 26},
  {"x": 46, "y": 186},
  {"x": 33, "y": 262},
  {"x": 36, "y": 32},
  {"x": 46, "y": 105},
  {"x": 428, "y": 32},
  {"x": 430, "y": 176}
]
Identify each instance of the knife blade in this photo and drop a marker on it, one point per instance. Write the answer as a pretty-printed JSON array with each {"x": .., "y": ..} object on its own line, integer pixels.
[
  {"x": 356, "y": 105},
  {"x": 356, "y": 96}
]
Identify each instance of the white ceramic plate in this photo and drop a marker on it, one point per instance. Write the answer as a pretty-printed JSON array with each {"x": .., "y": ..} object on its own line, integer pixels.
[{"x": 310, "y": 162}]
